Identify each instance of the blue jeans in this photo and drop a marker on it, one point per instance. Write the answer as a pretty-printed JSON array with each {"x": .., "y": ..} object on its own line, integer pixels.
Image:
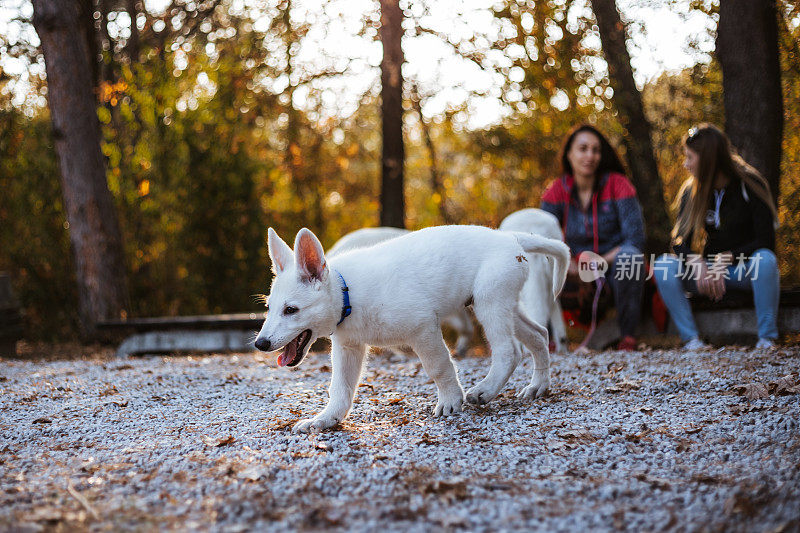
[
  {"x": 627, "y": 289},
  {"x": 758, "y": 274}
]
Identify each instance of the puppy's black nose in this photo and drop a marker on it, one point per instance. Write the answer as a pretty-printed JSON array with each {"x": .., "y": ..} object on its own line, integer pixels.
[{"x": 262, "y": 344}]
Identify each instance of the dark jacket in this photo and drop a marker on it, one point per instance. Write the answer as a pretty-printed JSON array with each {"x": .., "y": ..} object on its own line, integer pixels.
[
  {"x": 745, "y": 223},
  {"x": 613, "y": 217}
]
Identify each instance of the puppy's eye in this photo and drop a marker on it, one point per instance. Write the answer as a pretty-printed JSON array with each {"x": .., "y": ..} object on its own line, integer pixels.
[{"x": 289, "y": 310}]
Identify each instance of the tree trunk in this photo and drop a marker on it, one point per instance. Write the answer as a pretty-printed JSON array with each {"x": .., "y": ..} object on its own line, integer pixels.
[
  {"x": 93, "y": 30},
  {"x": 393, "y": 157},
  {"x": 132, "y": 46},
  {"x": 93, "y": 227},
  {"x": 628, "y": 101},
  {"x": 747, "y": 48}
]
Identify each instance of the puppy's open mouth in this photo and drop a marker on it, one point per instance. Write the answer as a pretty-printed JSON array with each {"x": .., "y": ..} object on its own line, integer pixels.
[{"x": 293, "y": 353}]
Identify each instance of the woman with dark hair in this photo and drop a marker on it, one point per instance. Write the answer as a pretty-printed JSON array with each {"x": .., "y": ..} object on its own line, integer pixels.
[
  {"x": 598, "y": 210},
  {"x": 726, "y": 209}
]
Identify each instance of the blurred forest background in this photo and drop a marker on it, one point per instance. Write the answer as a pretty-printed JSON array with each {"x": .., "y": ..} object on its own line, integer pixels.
[{"x": 220, "y": 118}]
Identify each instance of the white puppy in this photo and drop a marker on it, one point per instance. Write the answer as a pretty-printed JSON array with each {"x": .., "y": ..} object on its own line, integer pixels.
[
  {"x": 460, "y": 321},
  {"x": 398, "y": 291},
  {"x": 363, "y": 238},
  {"x": 536, "y": 296}
]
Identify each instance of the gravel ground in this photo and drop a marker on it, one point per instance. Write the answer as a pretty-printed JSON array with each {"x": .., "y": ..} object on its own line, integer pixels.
[{"x": 643, "y": 441}]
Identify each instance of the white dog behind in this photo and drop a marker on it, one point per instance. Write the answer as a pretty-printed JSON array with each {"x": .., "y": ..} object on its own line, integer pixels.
[
  {"x": 398, "y": 290},
  {"x": 363, "y": 238},
  {"x": 536, "y": 296},
  {"x": 460, "y": 321}
]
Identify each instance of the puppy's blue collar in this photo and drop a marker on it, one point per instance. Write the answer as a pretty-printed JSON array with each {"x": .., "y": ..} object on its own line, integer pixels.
[{"x": 346, "y": 309}]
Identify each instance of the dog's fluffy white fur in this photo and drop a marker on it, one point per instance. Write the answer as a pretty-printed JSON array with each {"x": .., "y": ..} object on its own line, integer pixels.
[
  {"x": 535, "y": 297},
  {"x": 460, "y": 321},
  {"x": 399, "y": 290}
]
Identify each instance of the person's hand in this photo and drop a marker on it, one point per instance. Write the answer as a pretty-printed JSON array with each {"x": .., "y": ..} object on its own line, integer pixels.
[
  {"x": 709, "y": 284},
  {"x": 702, "y": 278},
  {"x": 716, "y": 288},
  {"x": 721, "y": 263}
]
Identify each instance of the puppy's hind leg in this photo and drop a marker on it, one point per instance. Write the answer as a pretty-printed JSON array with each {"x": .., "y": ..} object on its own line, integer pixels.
[
  {"x": 559, "y": 328},
  {"x": 435, "y": 357},
  {"x": 498, "y": 325},
  {"x": 347, "y": 362},
  {"x": 534, "y": 336}
]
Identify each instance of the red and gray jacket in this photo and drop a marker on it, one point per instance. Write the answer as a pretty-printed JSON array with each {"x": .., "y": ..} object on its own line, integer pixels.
[{"x": 612, "y": 218}]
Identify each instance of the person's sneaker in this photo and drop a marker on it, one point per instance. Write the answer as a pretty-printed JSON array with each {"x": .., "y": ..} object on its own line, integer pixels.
[
  {"x": 765, "y": 344},
  {"x": 695, "y": 345},
  {"x": 627, "y": 344}
]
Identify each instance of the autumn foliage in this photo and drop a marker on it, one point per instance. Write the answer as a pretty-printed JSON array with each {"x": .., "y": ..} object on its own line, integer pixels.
[{"x": 214, "y": 129}]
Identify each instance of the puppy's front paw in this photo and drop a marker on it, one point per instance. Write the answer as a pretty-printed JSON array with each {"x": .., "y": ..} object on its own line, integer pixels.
[
  {"x": 480, "y": 395},
  {"x": 314, "y": 425},
  {"x": 447, "y": 408},
  {"x": 538, "y": 388}
]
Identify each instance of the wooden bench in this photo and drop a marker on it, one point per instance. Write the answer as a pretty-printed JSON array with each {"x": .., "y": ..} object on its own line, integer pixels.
[
  {"x": 204, "y": 333},
  {"x": 10, "y": 318},
  {"x": 731, "y": 320}
]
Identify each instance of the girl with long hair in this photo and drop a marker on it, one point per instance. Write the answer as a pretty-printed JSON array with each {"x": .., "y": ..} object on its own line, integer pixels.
[
  {"x": 599, "y": 212},
  {"x": 726, "y": 212}
]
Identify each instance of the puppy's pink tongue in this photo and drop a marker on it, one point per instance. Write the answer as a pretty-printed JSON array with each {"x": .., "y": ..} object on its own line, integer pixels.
[{"x": 288, "y": 353}]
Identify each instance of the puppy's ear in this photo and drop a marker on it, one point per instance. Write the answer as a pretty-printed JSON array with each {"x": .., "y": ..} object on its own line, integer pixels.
[
  {"x": 310, "y": 256},
  {"x": 279, "y": 252}
]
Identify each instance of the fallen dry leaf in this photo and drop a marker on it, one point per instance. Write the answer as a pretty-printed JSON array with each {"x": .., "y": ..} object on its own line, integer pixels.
[
  {"x": 655, "y": 482},
  {"x": 749, "y": 500},
  {"x": 284, "y": 424},
  {"x": 624, "y": 386},
  {"x": 427, "y": 439},
  {"x": 708, "y": 479},
  {"x": 745, "y": 408},
  {"x": 109, "y": 390},
  {"x": 577, "y": 435},
  {"x": 322, "y": 518},
  {"x": 220, "y": 441},
  {"x": 42, "y": 420},
  {"x": 752, "y": 391},
  {"x": 454, "y": 489},
  {"x": 784, "y": 386},
  {"x": 637, "y": 437},
  {"x": 614, "y": 367}
]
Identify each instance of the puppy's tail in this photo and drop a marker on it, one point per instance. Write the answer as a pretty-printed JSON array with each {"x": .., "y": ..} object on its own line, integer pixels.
[{"x": 556, "y": 249}]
